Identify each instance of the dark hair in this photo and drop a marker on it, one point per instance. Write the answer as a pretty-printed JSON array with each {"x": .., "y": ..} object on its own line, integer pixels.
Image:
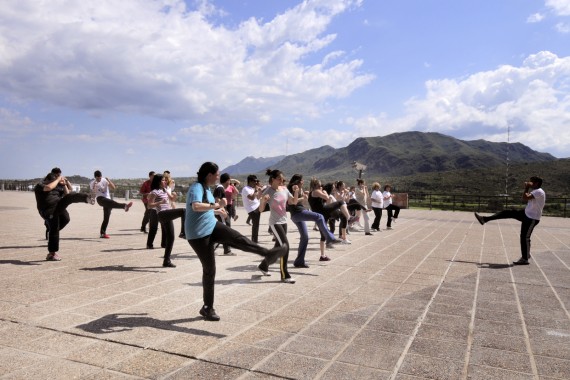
[
  {"x": 339, "y": 184},
  {"x": 205, "y": 169},
  {"x": 97, "y": 173},
  {"x": 156, "y": 180},
  {"x": 295, "y": 180},
  {"x": 56, "y": 171},
  {"x": 50, "y": 177},
  {"x": 151, "y": 173},
  {"x": 224, "y": 178},
  {"x": 272, "y": 174},
  {"x": 359, "y": 181},
  {"x": 536, "y": 180},
  {"x": 328, "y": 187},
  {"x": 387, "y": 186}
]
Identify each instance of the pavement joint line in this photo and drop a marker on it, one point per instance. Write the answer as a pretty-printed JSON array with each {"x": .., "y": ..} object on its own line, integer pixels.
[
  {"x": 143, "y": 348},
  {"x": 532, "y": 360},
  {"x": 404, "y": 353},
  {"x": 551, "y": 287}
]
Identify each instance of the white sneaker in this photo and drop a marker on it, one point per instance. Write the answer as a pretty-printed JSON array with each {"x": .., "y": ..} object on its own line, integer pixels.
[
  {"x": 346, "y": 241},
  {"x": 389, "y": 228}
]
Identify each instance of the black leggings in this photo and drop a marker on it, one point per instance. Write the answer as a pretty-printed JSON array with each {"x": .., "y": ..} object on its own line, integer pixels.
[
  {"x": 60, "y": 218},
  {"x": 108, "y": 205},
  {"x": 377, "y": 217},
  {"x": 166, "y": 218},
  {"x": 396, "y": 211},
  {"x": 205, "y": 246}
]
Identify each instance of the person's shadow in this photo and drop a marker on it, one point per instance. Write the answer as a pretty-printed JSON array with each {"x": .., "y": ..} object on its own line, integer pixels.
[
  {"x": 20, "y": 262},
  {"x": 485, "y": 265},
  {"x": 121, "y": 268},
  {"x": 113, "y": 323}
]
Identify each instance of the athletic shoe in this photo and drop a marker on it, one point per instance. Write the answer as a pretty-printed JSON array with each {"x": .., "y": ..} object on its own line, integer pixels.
[
  {"x": 389, "y": 228},
  {"x": 128, "y": 206},
  {"x": 521, "y": 261},
  {"x": 288, "y": 280},
  {"x": 300, "y": 265},
  {"x": 368, "y": 233},
  {"x": 236, "y": 217},
  {"x": 230, "y": 253},
  {"x": 329, "y": 245},
  {"x": 91, "y": 199},
  {"x": 479, "y": 218},
  {"x": 209, "y": 314},
  {"x": 324, "y": 258},
  {"x": 104, "y": 236},
  {"x": 263, "y": 271},
  {"x": 143, "y": 230},
  {"x": 168, "y": 264},
  {"x": 182, "y": 235},
  {"x": 346, "y": 241},
  {"x": 53, "y": 257},
  {"x": 150, "y": 246}
]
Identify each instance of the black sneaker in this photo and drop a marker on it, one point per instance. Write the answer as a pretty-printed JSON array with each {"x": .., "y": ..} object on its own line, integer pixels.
[
  {"x": 168, "y": 264},
  {"x": 479, "y": 218},
  {"x": 275, "y": 253},
  {"x": 300, "y": 265},
  {"x": 182, "y": 235},
  {"x": 521, "y": 261},
  {"x": 209, "y": 314}
]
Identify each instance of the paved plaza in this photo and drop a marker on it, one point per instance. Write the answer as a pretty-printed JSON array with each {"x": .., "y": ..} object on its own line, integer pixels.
[{"x": 434, "y": 298}]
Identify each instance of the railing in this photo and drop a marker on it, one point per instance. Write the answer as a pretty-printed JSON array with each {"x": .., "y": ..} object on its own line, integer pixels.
[
  {"x": 483, "y": 203},
  {"x": 558, "y": 207}
]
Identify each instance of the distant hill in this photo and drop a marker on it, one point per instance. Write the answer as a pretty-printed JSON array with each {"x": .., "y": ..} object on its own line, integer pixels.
[{"x": 251, "y": 164}]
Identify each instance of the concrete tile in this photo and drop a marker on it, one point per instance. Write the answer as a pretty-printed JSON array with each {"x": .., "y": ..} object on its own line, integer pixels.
[
  {"x": 432, "y": 368},
  {"x": 205, "y": 370},
  {"x": 102, "y": 354},
  {"x": 370, "y": 356},
  {"x": 500, "y": 359},
  {"x": 396, "y": 326},
  {"x": 381, "y": 339},
  {"x": 554, "y": 367},
  {"x": 292, "y": 366},
  {"x": 341, "y": 333},
  {"x": 476, "y": 372},
  {"x": 439, "y": 349},
  {"x": 500, "y": 342},
  {"x": 237, "y": 355},
  {"x": 261, "y": 337},
  {"x": 314, "y": 347},
  {"x": 342, "y": 371},
  {"x": 150, "y": 364}
]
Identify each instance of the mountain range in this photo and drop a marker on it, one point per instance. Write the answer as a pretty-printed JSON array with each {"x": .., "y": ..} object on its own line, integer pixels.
[{"x": 398, "y": 154}]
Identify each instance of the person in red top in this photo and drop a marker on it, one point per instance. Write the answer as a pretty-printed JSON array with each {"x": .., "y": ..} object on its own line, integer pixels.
[
  {"x": 145, "y": 191},
  {"x": 231, "y": 194}
]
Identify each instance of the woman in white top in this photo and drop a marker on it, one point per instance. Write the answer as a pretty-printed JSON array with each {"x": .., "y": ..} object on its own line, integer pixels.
[
  {"x": 377, "y": 204},
  {"x": 389, "y": 206}
]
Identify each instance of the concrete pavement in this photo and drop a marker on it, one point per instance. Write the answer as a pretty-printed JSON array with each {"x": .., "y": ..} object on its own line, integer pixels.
[{"x": 435, "y": 298}]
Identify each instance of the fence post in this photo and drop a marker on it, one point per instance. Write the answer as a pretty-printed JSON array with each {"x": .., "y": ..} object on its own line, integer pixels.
[{"x": 127, "y": 194}]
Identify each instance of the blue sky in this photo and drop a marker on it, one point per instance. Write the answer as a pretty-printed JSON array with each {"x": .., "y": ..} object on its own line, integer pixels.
[{"x": 132, "y": 86}]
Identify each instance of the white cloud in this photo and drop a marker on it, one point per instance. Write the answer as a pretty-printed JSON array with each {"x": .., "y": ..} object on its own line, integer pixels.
[
  {"x": 162, "y": 59},
  {"x": 562, "y": 27},
  {"x": 534, "y": 18},
  {"x": 534, "y": 99},
  {"x": 559, "y": 7}
]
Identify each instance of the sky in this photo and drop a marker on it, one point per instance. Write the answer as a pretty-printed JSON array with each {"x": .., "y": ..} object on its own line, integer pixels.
[{"x": 137, "y": 85}]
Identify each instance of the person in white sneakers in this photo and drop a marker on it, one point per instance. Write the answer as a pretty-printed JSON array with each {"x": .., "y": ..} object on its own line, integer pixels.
[
  {"x": 377, "y": 204},
  {"x": 392, "y": 210},
  {"x": 100, "y": 189}
]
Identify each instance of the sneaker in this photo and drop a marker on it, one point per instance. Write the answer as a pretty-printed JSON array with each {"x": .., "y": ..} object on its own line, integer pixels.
[
  {"x": 521, "y": 261},
  {"x": 53, "y": 257},
  {"x": 346, "y": 241},
  {"x": 275, "y": 254},
  {"x": 300, "y": 265},
  {"x": 104, "y": 236},
  {"x": 209, "y": 314},
  {"x": 389, "y": 228},
  {"x": 368, "y": 233},
  {"x": 128, "y": 206},
  {"x": 329, "y": 245},
  {"x": 263, "y": 271},
  {"x": 288, "y": 280},
  {"x": 230, "y": 253},
  {"x": 168, "y": 264},
  {"x": 324, "y": 258},
  {"x": 91, "y": 199},
  {"x": 144, "y": 230},
  {"x": 150, "y": 246},
  {"x": 236, "y": 217},
  {"x": 182, "y": 235},
  {"x": 479, "y": 218}
]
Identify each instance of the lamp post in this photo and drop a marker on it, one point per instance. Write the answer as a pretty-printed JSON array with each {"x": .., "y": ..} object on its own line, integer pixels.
[{"x": 360, "y": 168}]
